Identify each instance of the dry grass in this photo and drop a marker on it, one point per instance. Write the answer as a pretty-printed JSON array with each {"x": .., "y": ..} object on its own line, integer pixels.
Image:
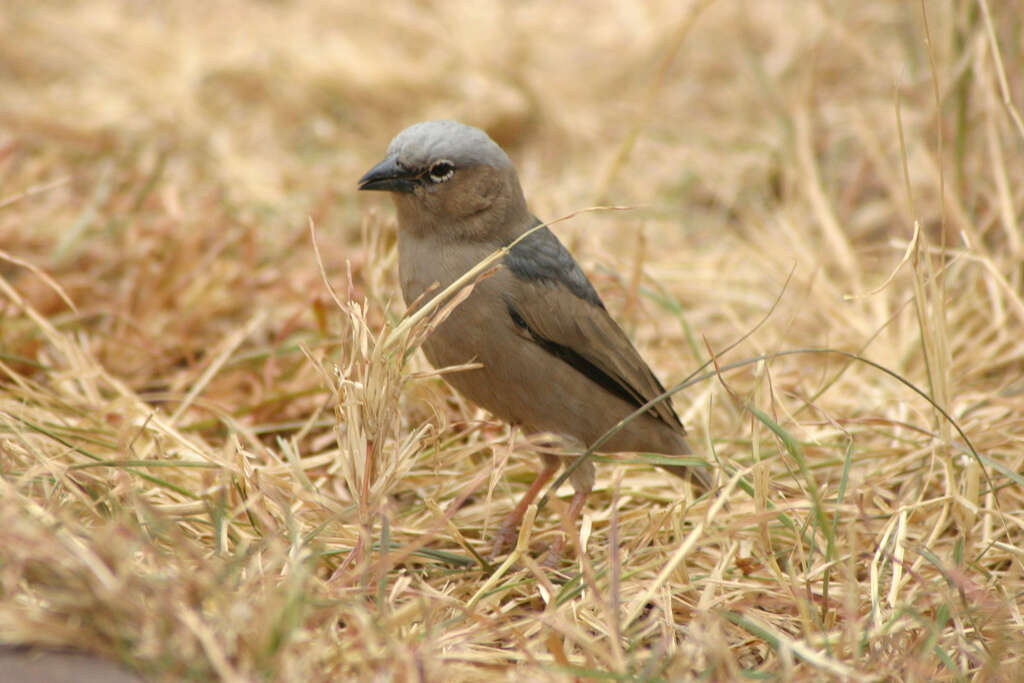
[{"x": 210, "y": 469}]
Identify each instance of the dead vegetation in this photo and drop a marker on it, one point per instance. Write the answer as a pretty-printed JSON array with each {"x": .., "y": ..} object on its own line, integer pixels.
[{"x": 211, "y": 468}]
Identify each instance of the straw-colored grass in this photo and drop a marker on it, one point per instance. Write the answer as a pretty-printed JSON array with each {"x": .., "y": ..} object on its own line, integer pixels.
[{"x": 211, "y": 468}]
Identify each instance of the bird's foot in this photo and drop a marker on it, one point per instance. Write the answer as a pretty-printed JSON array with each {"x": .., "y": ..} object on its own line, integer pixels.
[
  {"x": 503, "y": 539},
  {"x": 555, "y": 554}
]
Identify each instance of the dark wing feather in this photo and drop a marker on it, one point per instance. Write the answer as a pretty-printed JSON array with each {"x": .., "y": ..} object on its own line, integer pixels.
[{"x": 558, "y": 308}]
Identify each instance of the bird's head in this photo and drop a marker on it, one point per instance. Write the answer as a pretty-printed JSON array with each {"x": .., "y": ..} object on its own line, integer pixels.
[{"x": 447, "y": 176}]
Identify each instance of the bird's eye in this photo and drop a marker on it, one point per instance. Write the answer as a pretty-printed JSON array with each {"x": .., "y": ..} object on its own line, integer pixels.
[{"x": 441, "y": 171}]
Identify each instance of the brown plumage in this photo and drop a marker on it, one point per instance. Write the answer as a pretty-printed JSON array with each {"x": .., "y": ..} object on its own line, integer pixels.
[{"x": 553, "y": 359}]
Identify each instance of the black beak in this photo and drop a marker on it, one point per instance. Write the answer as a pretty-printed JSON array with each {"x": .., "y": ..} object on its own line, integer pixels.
[{"x": 389, "y": 176}]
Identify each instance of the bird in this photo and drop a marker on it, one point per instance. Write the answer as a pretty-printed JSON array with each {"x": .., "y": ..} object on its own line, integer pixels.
[{"x": 548, "y": 355}]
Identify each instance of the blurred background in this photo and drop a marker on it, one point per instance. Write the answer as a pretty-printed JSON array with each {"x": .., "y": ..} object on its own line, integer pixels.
[{"x": 172, "y": 152}]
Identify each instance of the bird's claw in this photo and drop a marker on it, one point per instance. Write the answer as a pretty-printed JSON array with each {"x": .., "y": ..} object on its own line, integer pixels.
[{"x": 503, "y": 540}]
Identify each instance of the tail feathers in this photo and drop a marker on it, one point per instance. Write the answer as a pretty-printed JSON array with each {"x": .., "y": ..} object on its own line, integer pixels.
[{"x": 698, "y": 476}]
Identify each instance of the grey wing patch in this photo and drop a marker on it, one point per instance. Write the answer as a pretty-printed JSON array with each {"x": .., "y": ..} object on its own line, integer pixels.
[{"x": 540, "y": 256}]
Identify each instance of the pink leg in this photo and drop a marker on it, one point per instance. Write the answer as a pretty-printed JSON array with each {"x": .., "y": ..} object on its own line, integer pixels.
[
  {"x": 554, "y": 555},
  {"x": 510, "y": 527}
]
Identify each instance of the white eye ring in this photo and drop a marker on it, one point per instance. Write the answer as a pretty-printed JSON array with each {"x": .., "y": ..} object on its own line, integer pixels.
[{"x": 441, "y": 171}]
